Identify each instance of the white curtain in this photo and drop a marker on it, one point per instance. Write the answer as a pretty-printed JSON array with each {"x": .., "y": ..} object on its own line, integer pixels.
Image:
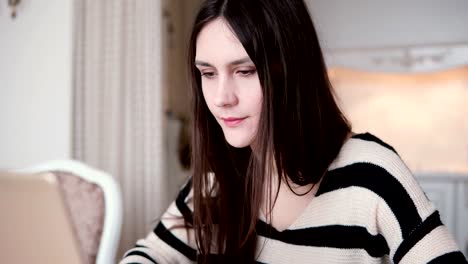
[{"x": 118, "y": 103}]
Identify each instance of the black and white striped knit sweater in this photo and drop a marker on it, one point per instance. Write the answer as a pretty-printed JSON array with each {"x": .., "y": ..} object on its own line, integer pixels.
[{"x": 368, "y": 209}]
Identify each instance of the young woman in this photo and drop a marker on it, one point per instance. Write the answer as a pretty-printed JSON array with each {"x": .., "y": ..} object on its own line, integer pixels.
[{"x": 278, "y": 177}]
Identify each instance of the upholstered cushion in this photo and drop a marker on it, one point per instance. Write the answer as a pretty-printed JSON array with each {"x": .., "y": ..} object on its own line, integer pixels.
[{"x": 85, "y": 201}]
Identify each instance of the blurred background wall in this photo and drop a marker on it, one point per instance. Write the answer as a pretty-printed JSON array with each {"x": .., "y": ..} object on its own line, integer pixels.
[
  {"x": 35, "y": 82},
  {"x": 399, "y": 23}
]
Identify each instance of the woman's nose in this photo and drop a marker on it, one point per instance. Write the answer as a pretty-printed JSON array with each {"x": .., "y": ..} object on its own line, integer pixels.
[{"x": 225, "y": 93}]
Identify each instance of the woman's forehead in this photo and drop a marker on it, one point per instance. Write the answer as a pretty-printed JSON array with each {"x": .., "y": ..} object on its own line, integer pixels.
[{"x": 216, "y": 42}]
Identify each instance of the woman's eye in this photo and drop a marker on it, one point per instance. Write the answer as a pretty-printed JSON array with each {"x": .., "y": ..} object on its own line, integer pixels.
[
  {"x": 247, "y": 72},
  {"x": 208, "y": 75}
]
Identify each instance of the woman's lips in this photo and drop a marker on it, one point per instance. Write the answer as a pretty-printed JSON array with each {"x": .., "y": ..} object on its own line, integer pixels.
[{"x": 233, "y": 121}]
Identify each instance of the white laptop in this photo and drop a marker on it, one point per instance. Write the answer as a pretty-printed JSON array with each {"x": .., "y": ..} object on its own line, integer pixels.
[{"x": 34, "y": 223}]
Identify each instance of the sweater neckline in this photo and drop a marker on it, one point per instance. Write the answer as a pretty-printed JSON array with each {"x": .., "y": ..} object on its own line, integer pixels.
[{"x": 261, "y": 221}]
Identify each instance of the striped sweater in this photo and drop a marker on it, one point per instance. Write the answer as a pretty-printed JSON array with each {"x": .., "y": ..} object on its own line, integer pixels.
[{"x": 368, "y": 209}]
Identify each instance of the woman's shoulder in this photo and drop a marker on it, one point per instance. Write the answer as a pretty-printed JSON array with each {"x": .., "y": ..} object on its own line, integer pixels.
[
  {"x": 372, "y": 139},
  {"x": 365, "y": 148},
  {"x": 367, "y": 161}
]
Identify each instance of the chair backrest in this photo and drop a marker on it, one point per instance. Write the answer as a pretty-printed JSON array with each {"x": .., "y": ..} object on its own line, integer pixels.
[
  {"x": 95, "y": 204},
  {"x": 86, "y": 206}
]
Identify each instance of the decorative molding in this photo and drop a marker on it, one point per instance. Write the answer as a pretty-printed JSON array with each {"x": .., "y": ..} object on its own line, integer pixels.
[
  {"x": 410, "y": 60},
  {"x": 400, "y": 59},
  {"x": 449, "y": 192},
  {"x": 462, "y": 212},
  {"x": 465, "y": 191}
]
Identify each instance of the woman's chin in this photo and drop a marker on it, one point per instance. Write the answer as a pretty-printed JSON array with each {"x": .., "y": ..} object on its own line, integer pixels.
[
  {"x": 238, "y": 145},
  {"x": 238, "y": 142}
]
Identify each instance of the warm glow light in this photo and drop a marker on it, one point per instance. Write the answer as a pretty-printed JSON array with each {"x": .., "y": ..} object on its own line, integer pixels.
[{"x": 424, "y": 115}]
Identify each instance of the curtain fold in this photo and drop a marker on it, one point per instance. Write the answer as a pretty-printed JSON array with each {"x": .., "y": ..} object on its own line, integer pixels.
[{"x": 118, "y": 119}]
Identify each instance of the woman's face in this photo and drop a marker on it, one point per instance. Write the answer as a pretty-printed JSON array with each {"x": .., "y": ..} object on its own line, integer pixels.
[{"x": 230, "y": 83}]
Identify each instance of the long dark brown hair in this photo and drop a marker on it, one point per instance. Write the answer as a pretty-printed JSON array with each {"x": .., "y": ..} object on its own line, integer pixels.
[{"x": 300, "y": 132}]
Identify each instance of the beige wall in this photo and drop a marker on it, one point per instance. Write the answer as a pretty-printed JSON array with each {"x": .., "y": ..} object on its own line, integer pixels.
[{"x": 178, "y": 19}]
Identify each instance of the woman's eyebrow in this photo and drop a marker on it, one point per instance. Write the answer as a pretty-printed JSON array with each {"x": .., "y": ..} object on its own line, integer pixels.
[
  {"x": 234, "y": 62},
  {"x": 202, "y": 63},
  {"x": 241, "y": 61}
]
